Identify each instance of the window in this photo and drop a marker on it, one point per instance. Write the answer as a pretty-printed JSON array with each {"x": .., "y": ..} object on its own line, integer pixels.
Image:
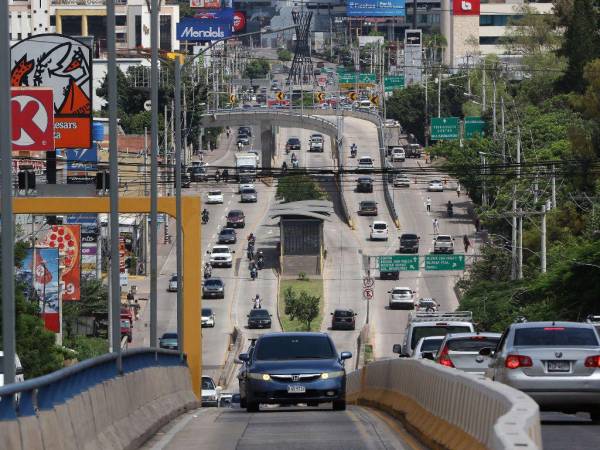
[
  {"x": 294, "y": 347},
  {"x": 498, "y": 20},
  {"x": 555, "y": 337},
  {"x": 165, "y": 32},
  {"x": 472, "y": 344},
  {"x": 120, "y": 20},
  {"x": 138, "y": 31},
  {"x": 488, "y": 40},
  {"x": 52, "y": 21}
]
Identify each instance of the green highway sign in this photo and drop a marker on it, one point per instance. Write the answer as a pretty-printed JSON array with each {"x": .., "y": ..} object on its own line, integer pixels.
[
  {"x": 397, "y": 263},
  {"x": 350, "y": 77},
  {"x": 393, "y": 82},
  {"x": 444, "y": 128},
  {"x": 444, "y": 262},
  {"x": 473, "y": 126}
]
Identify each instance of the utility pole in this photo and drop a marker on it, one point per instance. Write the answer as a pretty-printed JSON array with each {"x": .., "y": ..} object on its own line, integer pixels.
[
  {"x": 178, "y": 210},
  {"x": 543, "y": 239},
  {"x": 494, "y": 103},
  {"x": 503, "y": 130},
  {"x": 514, "y": 270},
  {"x": 553, "y": 187},
  {"x": 483, "y": 93},
  {"x": 520, "y": 276},
  {"x": 439, "y": 99},
  {"x": 484, "y": 186},
  {"x": 165, "y": 149}
]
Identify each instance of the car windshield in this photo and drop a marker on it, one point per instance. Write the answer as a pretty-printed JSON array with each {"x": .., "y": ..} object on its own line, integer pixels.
[
  {"x": 259, "y": 313},
  {"x": 380, "y": 226},
  {"x": 169, "y": 336},
  {"x": 198, "y": 169},
  {"x": 208, "y": 384},
  {"x": 227, "y": 231},
  {"x": 555, "y": 336},
  {"x": 248, "y": 191},
  {"x": 436, "y": 182},
  {"x": 293, "y": 141},
  {"x": 431, "y": 345},
  {"x": 367, "y": 204},
  {"x": 294, "y": 347},
  {"x": 342, "y": 313},
  {"x": 213, "y": 282},
  {"x": 173, "y": 278},
  {"x": 444, "y": 238},
  {"x": 472, "y": 344},
  {"x": 206, "y": 311},
  {"x": 365, "y": 161},
  {"x": 221, "y": 250},
  {"x": 236, "y": 214},
  {"x": 436, "y": 330},
  {"x": 401, "y": 292},
  {"x": 408, "y": 236},
  {"x": 214, "y": 193}
]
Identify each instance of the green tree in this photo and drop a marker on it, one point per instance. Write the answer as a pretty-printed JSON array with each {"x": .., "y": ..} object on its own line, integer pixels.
[
  {"x": 284, "y": 54},
  {"x": 297, "y": 187},
  {"x": 581, "y": 44},
  {"x": 257, "y": 68},
  {"x": 303, "y": 307}
]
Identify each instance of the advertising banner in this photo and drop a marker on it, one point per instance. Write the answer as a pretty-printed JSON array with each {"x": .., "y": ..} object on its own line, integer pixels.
[
  {"x": 64, "y": 65},
  {"x": 66, "y": 238},
  {"x": 83, "y": 218},
  {"x": 466, "y": 7},
  {"x": 203, "y": 30},
  {"x": 205, "y": 4},
  {"x": 376, "y": 8},
  {"x": 40, "y": 272},
  {"x": 32, "y": 119},
  {"x": 239, "y": 21},
  {"x": 224, "y": 14},
  {"x": 82, "y": 165}
]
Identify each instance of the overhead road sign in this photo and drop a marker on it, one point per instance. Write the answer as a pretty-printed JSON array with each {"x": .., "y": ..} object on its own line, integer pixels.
[
  {"x": 474, "y": 126},
  {"x": 32, "y": 119},
  {"x": 351, "y": 78},
  {"x": 444, "y": 128},
  {"x": 398, "y": 263},
  {"x": 376, "y": 8},
  {"x": 444, "y": 262},
  {"x": 394, "y": 82},
  {"x": 63, "y": 64}
]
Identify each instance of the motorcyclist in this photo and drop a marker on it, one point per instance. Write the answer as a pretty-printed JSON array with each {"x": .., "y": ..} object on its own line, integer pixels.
[
  {"x": 294, "y": 158},
  {"x": 450, "y": 208},
  {"x": 251, "y": 239},
  {"x": 253, "y": 271},
  {"x": 225, "y": 175},
  {"x": 353, "y": 150},
  {"x": 218, "y": 175},
  {"x": 205, "y": 215},
  {"x": 260, "y": 259},
  {"x": 207, "y": 270}
]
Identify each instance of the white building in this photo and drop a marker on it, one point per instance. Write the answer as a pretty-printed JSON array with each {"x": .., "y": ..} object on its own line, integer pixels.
[{"x": 88, "y": 18}]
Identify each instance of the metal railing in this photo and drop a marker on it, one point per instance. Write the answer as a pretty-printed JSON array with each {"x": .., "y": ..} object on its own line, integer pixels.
[{"x": 43, "y": 393}]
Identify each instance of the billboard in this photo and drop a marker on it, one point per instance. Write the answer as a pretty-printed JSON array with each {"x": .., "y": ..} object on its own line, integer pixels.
[
  {"x": 205, "y": 4},
  {"x": 67, "y": 239},
  {"x": 40, "y": 273},
  {"x": 466, "y": 7},
  {"x": 32, "y": 119},
  {"x": 64, "y": 65},
  {"x": 203, "y": 30},
  {"x": 82, "y": 165},
  {"x": 375, "y": 8},
  {"x": 239, "y": 21}
]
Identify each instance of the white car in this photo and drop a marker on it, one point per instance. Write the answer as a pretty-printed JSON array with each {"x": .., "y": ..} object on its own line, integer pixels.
[
  {"x": 221, "y": 256},
  {"x": 429, "y": 344},
  {"x": 172, "y": 283},
  {"x": 435, "y": 186},
  {"x": 208, "y": 318},
  {"x": 214, "y": 197},
  {"x": 365, "y": 163},
  {"x": 443, "y": 243},
  {"x": 402, "y": 297},
  {"x": 19, "y": 378},
  {"x": 210, "y": 392},
  {"x": 379, "y": 230},
  {"x": 398, "y": 154},
  {"x": 243, "y": 186},
  {"x": 401, "y": 181}
]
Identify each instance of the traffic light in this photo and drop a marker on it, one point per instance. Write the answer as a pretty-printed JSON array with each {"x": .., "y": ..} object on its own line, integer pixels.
[
  {"x": 26, "y": 179},
  {"x": 102, "y": 180}
]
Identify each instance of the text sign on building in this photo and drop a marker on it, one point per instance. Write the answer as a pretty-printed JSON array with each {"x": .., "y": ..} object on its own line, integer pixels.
[
  {"x": 32, "y": 123},
  {"x": 444, "y": 262},
  {"x": 397, "y": 263},
  {"x": 376, "y": 8},
  {"x": 466, "y": 7},
  {"x": 413, "y": 66},
  {"x": 474, "y": 126},
  {"x": 202, "y": 30},
  {"x": 64, "y": 65},
  {"x": 443, "y": 128}
]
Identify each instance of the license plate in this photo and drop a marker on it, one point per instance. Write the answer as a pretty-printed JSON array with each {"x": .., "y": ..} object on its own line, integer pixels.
[
  {"x": 558, "y": 366},
  {"x": 296, "y": 389}
]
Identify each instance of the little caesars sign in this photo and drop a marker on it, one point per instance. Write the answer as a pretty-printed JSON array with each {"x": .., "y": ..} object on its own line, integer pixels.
[{"x": 202, "y": 30}]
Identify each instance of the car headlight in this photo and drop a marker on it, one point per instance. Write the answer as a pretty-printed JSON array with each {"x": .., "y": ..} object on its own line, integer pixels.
[
  {"x": 336, "y": 374},
  {"x": 259, "y": 376}
]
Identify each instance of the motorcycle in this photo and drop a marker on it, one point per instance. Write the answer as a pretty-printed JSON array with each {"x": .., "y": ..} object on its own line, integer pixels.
[
  {"x": 295, "y": 164},
  {"x": 253, "y": 273},
  {"x": 257, "y": 303},
  {"x": 260, "y": 260},
  {"x": 353, "y": 152},
  {"x": 204, "y": 219},
  {"x": 207, "y": 271}
]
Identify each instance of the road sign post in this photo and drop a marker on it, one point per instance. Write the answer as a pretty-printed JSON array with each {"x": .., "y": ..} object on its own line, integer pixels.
[
  {"x": 398, "y": 263},
  {"x": 444, "y": 128},
  {"x": 444, "y": 262}
]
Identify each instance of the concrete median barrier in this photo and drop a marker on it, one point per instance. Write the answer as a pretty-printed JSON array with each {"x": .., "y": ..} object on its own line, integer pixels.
[{"x": 448, "y": 408}]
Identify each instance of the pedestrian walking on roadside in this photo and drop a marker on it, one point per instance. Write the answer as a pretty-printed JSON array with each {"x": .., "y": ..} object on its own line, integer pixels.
[
  {"x": 458, "y": 189},
  {"x": 477, "y": 224},
  {"x": 466, "y": 243},
  {"x": 428, "y": 204},
  {"x": 436, "y": 227}
]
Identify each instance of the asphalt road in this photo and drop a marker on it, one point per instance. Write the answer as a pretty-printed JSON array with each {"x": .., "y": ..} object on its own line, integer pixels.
[
  {"x": 277, "y": 428},
  {"x": 569, "y": 431}
]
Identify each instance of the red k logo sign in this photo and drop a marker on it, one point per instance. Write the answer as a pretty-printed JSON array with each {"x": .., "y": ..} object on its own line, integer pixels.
[
  {"x": 466, "y": 7},
  {"x": 32, "y": 114}
]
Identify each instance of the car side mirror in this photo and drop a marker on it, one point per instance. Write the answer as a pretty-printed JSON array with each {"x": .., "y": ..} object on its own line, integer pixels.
[
  {"x": 486, "y": 351},
  {"x": 427, "y": 355},
  {"x": 244, "y": 357},
  {"x": 397, "y": 348},
  {"x": 345, "y": 355},
  {"x": 208, "y": 252},
  {"x": 232, "y": 251},
  {"x": 331, "y": 314}
]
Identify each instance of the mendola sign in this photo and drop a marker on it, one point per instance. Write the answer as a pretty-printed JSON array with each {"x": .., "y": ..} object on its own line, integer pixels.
[{"x": 202, "y": 30}]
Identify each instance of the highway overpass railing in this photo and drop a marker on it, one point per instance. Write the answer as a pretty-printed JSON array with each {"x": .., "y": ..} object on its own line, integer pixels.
[
  {"x": 91, "y": 405},
  {"x": 448, "y": 408}
]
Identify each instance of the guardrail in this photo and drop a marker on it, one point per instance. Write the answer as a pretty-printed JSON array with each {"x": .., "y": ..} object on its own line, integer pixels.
[
  {"x": 90, "y": 403},
  {"x": 448, "y": 408}
]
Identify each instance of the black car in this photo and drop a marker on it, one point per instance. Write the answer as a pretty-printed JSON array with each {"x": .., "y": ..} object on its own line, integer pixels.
[
  {"x": 364, "y": 184},
  {"x": 245, "y": 130},
  {"x": 213, "y": 288},
  {"x": 198, "y": 173},
  {"x": 259, "y": 318},
  {"x": 293, "y": 368},
  {"x": 409, "y": 243},
  {"x": 293, "y": 143},
  {"x": 236, "y": 219},
  {"x": 343, "y": 319},
  {"x": 227, "y": 236}
]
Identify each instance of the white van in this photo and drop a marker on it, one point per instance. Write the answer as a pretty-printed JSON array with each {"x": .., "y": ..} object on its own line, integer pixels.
[
  {"x": 379, "y": 230},
  {"x": 398, "y": 154},
  {"x": 19, "y": 378},
  {"x": 365, "y": 163}
]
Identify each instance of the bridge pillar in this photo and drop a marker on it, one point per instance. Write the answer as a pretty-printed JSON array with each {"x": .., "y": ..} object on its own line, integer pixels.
[{"x": 267, "y": 144}]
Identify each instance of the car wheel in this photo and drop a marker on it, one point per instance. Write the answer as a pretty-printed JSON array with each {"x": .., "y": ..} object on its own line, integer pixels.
[
  {"x": 252, "y": 406},
  {"x": 242, "y": 402},
  {"x": 339, "y": 405}
]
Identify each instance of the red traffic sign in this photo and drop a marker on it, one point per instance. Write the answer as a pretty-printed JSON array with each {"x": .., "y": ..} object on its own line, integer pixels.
[
  {"x": 32, "y": 112},
  {"x": 368, "y": 282},
  {"x": 367, "y": 294}
]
